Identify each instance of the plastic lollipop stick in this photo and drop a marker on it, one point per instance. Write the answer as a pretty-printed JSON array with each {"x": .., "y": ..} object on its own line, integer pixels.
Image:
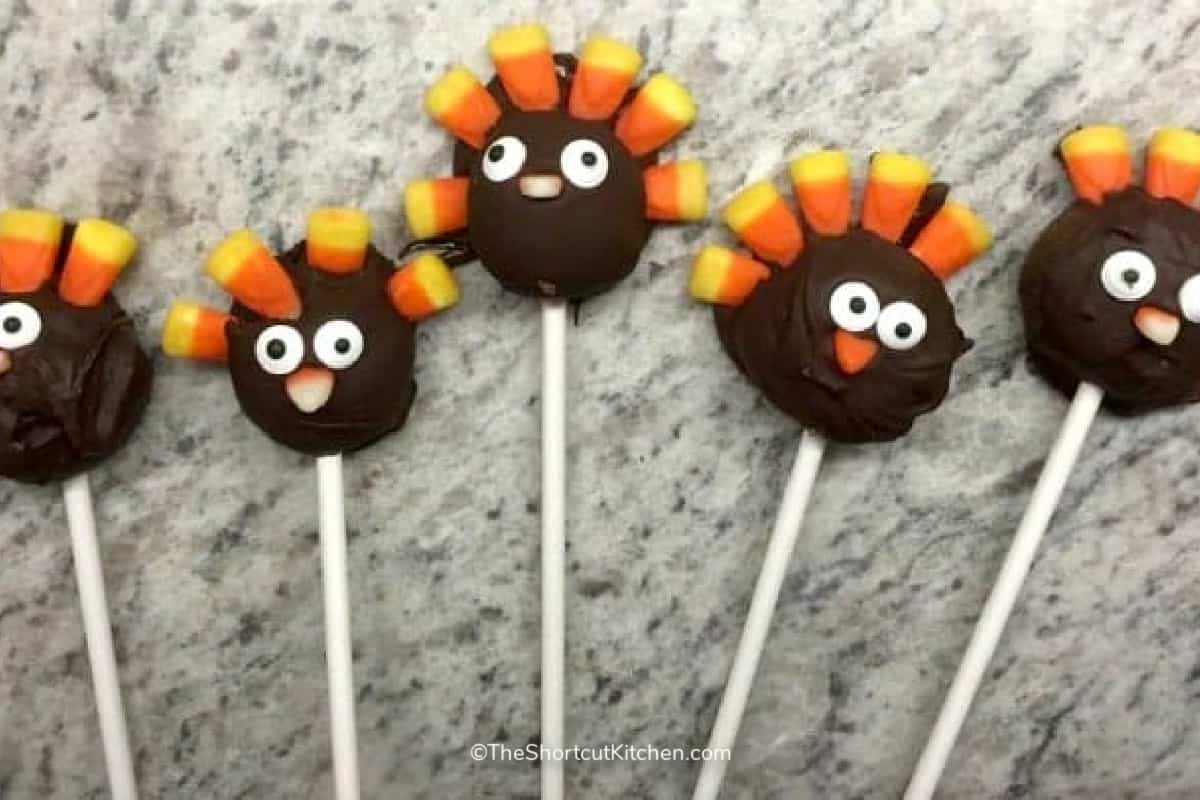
[
  {"x": 554, "y": 367},
  {"x": 1004, "y": 594},
  {"x": 81, "y": 520},
  {"x": 338, "y": 653},
  {"x": 762, "y": 608}
]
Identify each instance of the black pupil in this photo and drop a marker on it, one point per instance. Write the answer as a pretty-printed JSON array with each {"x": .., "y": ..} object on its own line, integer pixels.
[
  {"x": 858, "y": 305},
  {"x": 276, "y": 348},
  {"x": 1130, "y": 276},
  {"x": 12, "y": 324},
  {"x": 589, "y": 159},
  {"x": 904, "y": 330},
  {"x": 342, "y": 346},
  {"x": 495, "y": 153}
]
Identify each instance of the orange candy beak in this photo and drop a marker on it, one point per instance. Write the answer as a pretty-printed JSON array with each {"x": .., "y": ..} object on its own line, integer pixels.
[
  {"x": 423, "y": 287},
  {"x": 525, "y": 64},
  {"x": 436, "y": 206},
  {"x": 821, "y": 183},
  {"x": 244, "y": 267},
  {"x": 195, "y": 331},
  {"x": 951, "y": 240},
  {"x": 1097, "y": 160},
  {"x": 336, "y": 239},
  {"x": 606, "y": 71},
  {"x": 659, "y": 112},
  {"x": 309, "y": 388},
  {"x": 29, "y": 241},
  {"x": 1159, "y": 326},
  {"x": 1173, "y": 165},
  {"x": 676, "y": 191},
  {"x": 99, "y": 252},
  {"x": 853, "y": 353},
  {"x": 461, "y": 104},
  {"x": 725, "y": 278},
  {"x": 895, "y": 183},
  {"x": 760, "y": 219}
]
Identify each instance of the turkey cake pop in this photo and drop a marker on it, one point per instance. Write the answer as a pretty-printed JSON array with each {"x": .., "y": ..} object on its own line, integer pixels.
[
  {"x": 319, "y": 342},
  {"x": 1110, "y": 291},
  {"x": 73, "y": 379},
  {"x": 852, "y": 332},
  {"x": 556, "y": 183}
]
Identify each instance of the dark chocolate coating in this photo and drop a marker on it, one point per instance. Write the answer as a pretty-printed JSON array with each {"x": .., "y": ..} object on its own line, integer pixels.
[
  {"x": 74, "y": 395},
  {"x": 782, "y": 337},
  {"x": 1076, "y": 331},
  {"x": 371, "y": 398},
  {"x": 576, "y": 245}
]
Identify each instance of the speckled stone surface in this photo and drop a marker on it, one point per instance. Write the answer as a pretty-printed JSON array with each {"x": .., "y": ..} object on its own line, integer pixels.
[{"x": 187, "y": 119}]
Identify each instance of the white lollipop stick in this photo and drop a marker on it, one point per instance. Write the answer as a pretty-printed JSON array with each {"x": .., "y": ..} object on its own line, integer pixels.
[
  {"x": 762, "y": 608},
  {"x": 81, "y": 519},
  {"x": 338, "y": 655},
  {"x": 554, "y": 424},
  {"x": 1000, "y": 602}
]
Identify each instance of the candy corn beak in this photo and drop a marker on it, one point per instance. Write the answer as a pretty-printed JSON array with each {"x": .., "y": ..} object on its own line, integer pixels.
[
  {"x": 309, "y": 388},
  {"x": 541, "y": 187},
  {"x": 5, "y": 362},
  {"x": 1160, "y": 327},
  {"x": 853, "y": 353}
]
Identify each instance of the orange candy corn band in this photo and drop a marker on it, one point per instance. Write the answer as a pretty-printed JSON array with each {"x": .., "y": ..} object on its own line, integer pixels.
[
  {"x": 29, "y": 242},
  {"x": 1097, "y": 161},
  {"x": 605, "y": 73},
  {"x": 895, "y": 183},
  {"x": 423, "y": 287},
  {"x": 525, "y": 65},
  {"x": 336, "y": 239},
  {"x": 99, "y": 251},
  {"x": 244, "y": 267},
  {"x": 760, "y": 219},
  {"x": 676, "y": 191},
  {"x": 951, "y": 240},
  {"x": 658, "y": 113},
  {"x": 461, "y": 104},
  {"x": 821, "y": 183},
  {"x": 1173, "y": 164},
  {"x": 195, "y": 331},
  {"x": 723, "y": 277},
  {"x": 436, "y": 206}
]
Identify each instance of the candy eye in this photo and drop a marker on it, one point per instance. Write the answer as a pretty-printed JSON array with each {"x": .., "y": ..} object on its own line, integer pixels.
[
  {"x": 1128, "y": 275},
  {"x": 279, "y": 349},
  {"x": 1189, "y": 298},
  {"x": 854, "y": 306},
  {"x": 901, "y": 325},
  {"x": 503, "y": 158},
  {"x": 338, "y": 343},
  {"x": 20, "y": 325},
  {"x": 585, "y": 163}
]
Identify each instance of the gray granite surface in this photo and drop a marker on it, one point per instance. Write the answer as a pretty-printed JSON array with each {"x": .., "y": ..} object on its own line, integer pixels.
[{"x": 185, "y": 119}]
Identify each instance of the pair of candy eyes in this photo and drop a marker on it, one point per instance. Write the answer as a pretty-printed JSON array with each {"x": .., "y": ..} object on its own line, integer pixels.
[
  {"x": 854, "y": 307},
  {"x": 583, "y": 162},
  {"x": 1130, "y": 275},
  {"x": 337, "y": 344}
]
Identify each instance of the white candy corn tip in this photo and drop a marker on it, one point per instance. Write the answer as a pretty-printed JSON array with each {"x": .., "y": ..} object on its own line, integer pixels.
[
  {"x": 541, "y": 187},
  {"x": 309, "y": 388}
]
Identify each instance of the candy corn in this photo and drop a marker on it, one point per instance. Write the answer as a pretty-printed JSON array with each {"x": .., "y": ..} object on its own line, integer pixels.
[
  {"x": 895, "y": 183},
  {"x": 436, "y": 206},
  {"x": 29, "y": 240},
  {"x": 99, "y": 251},
  {"x": 423, "y": 287},
  {"x": 676, "y": 191},
  {"x": 821, "y": 183},
  {"x": 761, "y": 220},
  {"x": 461, "y": 104},
  {"x": 659, "y": 112},
  {"x": 606, "y": 71},
  {"x": 195, "y": 331},
  {"x": 723, "y": 277},
  {"x": 1173, "y": 164},
  {"x": 525, "y": 64},
  {"x": 244, "y": 267},
  {"x": 951, "y": 240},
  {"x": 336, "y": 239},
  {"x": 1097, "y": 161}
]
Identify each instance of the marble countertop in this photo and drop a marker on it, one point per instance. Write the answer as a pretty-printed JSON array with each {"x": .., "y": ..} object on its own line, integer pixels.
[{"x": 187, "y": 119}]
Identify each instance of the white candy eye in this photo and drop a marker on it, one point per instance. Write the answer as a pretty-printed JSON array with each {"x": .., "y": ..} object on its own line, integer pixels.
[
  {"x": 503, "y": 158},
  {"x": 854, "y": 306},
  {"x": 901, "y": 325},
  {"x": 1189, "y": 298},
  {"x": 20, "y": 325},
  {"x": 1128, "y": 275},
  {"x": 338, "y": 344},
  {"x": 279, "y": 348},
  {"x": 585, "y": 163}
]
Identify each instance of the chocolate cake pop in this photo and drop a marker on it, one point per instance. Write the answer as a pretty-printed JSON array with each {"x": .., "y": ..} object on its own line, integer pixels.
[
  {"x": 852, "y": 333},
  {"x": 556, "y": 161},
  {"x": 1110, "y": 291},
  {"x": 73, "y": 379},
  {"x": 320, "y": 342}
]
